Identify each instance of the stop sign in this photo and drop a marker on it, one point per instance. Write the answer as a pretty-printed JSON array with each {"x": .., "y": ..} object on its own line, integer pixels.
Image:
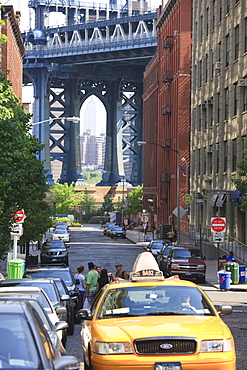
[
  {"x": 19, "y": 216},
  {"x": 218, "y": 224}
]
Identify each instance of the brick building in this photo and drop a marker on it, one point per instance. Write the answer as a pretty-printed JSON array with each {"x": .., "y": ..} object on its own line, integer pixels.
[
  {"x": 167, "y": 113},
  {"x": 13, "y": 50}
]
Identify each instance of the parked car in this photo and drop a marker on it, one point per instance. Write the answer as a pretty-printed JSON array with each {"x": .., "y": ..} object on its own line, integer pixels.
[
  {"x": 62, "y": 271},
  {"x": 52, "y": 330},
  {"x": 54, "y": 251},
  {"x": 49, "y": 286},
  {"x": 60, "y": 234},
  {"x": 24, "y": 342},
  {"x": 186, "y": 262},
  {"x": 155, "y": 246},
  {"x": 117, "y": 232},
  {"x": 63, "y": 290},
  {"x": 150, "y": 322},
  {"x": 162, "y": 257}
]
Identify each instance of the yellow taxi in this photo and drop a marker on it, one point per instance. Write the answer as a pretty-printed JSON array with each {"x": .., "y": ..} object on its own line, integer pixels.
[{"x": 154, "y": 323}]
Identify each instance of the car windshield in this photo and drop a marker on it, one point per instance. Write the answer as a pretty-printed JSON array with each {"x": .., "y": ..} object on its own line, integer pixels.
[
  {"x": 157, "y": 246},
  {"x": 155, "y": 300},
  {"x": 118, "y": 228},
  {"x": 63, "y": 274},
  {"x": 58, "y": 245},
  {"x": 187, "y": 253},
  {"x": 61, "y": 231},
  {"x": 18, "y": 349},
  {"x": 47, "y": 287}
]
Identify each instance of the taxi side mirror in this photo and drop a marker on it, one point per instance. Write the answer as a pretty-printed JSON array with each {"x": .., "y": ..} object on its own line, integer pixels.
[
  {"x": 83, "y": 315},
  {"x": 224, "y": 310}
]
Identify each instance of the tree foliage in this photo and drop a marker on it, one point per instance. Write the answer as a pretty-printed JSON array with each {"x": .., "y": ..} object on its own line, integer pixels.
[
  {"x": 87, "y": 201},
  {"x": 64, "y": 197},
  {"x": 241, "y": 182},
  {"x": 22, "y": 175},
  {"x": 108, "y": 205},
  {"x": 134, "y": 205}
]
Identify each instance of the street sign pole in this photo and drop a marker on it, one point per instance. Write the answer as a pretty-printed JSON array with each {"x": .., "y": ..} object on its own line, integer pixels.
[{"x": 218, "y": 227}]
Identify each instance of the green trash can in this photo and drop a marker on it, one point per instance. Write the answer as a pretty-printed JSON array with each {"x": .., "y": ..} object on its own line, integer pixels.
[
  {"x": 16, "y": 268},
  {"x": 233, "y": 267}
]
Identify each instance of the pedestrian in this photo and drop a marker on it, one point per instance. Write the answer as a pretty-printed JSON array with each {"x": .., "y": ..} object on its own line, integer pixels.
[
  {"x": 98, "y": 269},
  {"x": 103, "y": 279},
  {"x": 120, "y": 272},
  {"x": 90, "y": 283},
  {"x": 145, "y": 228},
  {"x": 79, "y": 279},
  {"x": 231, "y": 257},
  {"x": 170, "y": 235}
]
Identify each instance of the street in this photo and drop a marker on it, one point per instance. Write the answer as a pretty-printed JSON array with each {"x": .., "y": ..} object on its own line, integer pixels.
[{"x": 89, "y": 244}]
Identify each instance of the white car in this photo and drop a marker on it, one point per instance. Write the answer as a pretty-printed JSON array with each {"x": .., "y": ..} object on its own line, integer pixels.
[{"x": 60, "y": 234}]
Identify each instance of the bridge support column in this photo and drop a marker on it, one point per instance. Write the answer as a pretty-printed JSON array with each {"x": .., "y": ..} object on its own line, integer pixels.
[
  {"x": 41, "y": 113},
  {"x": 113, "y": 168}
]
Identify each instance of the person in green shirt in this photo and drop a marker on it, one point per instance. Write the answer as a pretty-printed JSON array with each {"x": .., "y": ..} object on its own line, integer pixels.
[{"x": 90, "y": 283}]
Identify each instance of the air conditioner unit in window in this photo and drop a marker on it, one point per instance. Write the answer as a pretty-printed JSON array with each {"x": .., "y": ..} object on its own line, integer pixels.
[
  {"x": 217, "y": 146},
  {"x": 242, "y": 82},
  {"x": 209, "y": 101},
  {"x": 168, "y": 42},
  {"x": 176, "y": 33},
  {"x": 203, "y": 105},
  {"x": 209, "y": 149},
  {"x": 166, "y": 111},
  {"x": 218, "y": 65},
  {"x": 205, "y": 55}
]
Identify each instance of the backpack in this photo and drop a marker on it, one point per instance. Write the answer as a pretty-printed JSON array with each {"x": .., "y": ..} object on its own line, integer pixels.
[{"x": 122, "y": 274}]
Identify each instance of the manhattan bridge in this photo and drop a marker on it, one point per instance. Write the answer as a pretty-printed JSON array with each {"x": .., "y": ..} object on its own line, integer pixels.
[{"x": 101, "y": 50}]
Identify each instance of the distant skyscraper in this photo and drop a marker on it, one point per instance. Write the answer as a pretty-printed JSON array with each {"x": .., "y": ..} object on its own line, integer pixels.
[
  {"x": 92, "y": 149},
  {"x": 90, "y": 121}
]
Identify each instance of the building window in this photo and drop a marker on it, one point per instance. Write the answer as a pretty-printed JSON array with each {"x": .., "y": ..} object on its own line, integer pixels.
[
  {"x": 213, "y": 14},
  {"x": 220, "y": 10},
  {"x": 226, "y": 103},
  {"x": 234, "y": 154},
  {"x": 235, "y": 101},
  {"x": 219, "y": 51},
  {"x": 206, "y": 22},
  {"x": 200, "y": 73},
  {"x": 225, "y": 157},
  {"x": 212, "y": 63},
  {"x": 217, "y": 158},
  {"x": 227, "y": 6},
  {"x": 204, "y": 119},
  {"x": 199, "y": 162},
  {"x": 245, "y": 34},
  {"x": 236, "y": 35},
  {"x": 200, "y": 120},
  {"x": 218, "y": 108},
  {"x": 205, "y": 161},
  {"x": 206, "y": 68},
  {"x": 227, "y": 41},
  {"x": 244, "y": 98},
  {"x": 210, "y": 114},
  {"x": 201, "y": 28},
  {"x": 210, "y": 167}
]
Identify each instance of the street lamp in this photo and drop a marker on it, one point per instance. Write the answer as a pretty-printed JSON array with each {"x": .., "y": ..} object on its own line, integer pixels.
[
  {"x": 72, "y": 119},
  {"x": 178, "y": 180},
  {"x": 186, "y": 174}
]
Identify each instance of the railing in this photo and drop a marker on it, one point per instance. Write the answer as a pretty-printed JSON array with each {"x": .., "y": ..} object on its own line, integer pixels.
[{"x": 204, "y": 241}]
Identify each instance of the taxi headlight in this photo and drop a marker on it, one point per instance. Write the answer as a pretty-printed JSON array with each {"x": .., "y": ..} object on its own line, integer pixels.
[
  {"x": 224, "y": 345},
  {"x": 103, "y": 348}
]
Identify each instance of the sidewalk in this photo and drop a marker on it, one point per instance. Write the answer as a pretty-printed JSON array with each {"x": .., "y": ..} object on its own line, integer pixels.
[{"x": 137, "y": 237}]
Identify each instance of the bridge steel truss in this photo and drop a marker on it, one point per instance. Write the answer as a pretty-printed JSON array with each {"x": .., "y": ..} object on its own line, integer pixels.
[{"x": 67, "y": 64}]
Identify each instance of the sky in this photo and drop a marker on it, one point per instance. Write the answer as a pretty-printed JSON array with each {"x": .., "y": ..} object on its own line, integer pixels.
[{"x": 27, "y": 22}]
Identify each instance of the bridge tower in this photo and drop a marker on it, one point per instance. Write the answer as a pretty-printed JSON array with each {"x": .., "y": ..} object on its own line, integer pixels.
[{"x": 99, "y": 51}]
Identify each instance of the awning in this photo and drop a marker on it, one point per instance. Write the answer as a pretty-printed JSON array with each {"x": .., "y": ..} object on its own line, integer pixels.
[
  {"x": 213, "y": 200},
  {"x": 221, "y": 199},
  {"x": 234, "y": 197}
]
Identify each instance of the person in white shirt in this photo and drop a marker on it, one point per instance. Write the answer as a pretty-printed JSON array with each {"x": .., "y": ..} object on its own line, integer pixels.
[{"x": 79, "y": 279}]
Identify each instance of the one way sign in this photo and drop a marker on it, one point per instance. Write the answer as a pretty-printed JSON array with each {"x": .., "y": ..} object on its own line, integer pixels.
[{"x": 218, "y": 237}]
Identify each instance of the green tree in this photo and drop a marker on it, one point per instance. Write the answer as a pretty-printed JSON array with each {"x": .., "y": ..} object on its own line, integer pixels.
[
  {"x": 87, "y": 201},
  {"x": 22, "y": 175},
  {"x": 108, "y": 205},
  {"x": 241, "y": 182},
  {"x": 64, "y": 197},
  {"x": 134, "y": 205}
]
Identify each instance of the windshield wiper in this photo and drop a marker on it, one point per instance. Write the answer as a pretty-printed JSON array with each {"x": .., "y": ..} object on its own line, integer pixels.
[
  {"x": 161, "y": 313},
  {"x": 120, "y": 315}
]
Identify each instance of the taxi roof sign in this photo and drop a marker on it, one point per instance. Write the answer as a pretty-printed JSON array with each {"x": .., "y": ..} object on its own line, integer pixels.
[{"x": 146, "y": 268}]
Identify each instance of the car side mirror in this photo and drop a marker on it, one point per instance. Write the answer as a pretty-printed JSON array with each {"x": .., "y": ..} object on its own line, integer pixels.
[
  {"x": 67, "y": 246},
  {"x": 65, "y": 297}
]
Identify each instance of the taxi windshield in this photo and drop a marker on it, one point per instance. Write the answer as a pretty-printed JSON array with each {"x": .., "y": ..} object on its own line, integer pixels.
[{"x": 154, "y": 300}]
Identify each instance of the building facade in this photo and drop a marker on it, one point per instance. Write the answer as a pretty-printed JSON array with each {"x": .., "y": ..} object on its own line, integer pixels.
[
  {"x": 13, "y": 50},
  {"x": 219, "y": 111},
  {"x": 167, "y": 81}
]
